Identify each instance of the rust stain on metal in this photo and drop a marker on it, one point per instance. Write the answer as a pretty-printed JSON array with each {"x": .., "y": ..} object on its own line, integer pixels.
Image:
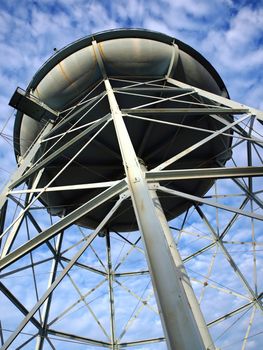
[
  {"x": 94, "y": 54},
  {"x": 65, "y": 75},
  {"x": 37, "y": 93},
  {"x": 142, "y": 206},
  {"x": 94, "y": 62},
  {"x": 101, "y": 50},
  {"x": 60, "y": 65}
]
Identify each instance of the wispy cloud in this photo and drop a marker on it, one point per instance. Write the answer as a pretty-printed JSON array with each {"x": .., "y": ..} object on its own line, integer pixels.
[{"x": 228, "y": 33}]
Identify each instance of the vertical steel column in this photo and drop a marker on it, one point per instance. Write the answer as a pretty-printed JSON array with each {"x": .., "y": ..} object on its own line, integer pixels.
[
  {"x": 111, "y": 293},
  {"x": 47, "y": 304},
  {"x": 209, "y": 344},
  {"x": 179, "y": 325}
]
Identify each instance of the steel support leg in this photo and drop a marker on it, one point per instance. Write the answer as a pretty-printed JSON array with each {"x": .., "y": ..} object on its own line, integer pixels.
[
  {"x": 179, "y": 325},
  {"x": 111, "y": 293},
  {"x": 25, "y": 163},
  {"x": 47, "y": 304},
  {"x": 183, "y": 274},
  {"x": 14, "y": 231}
]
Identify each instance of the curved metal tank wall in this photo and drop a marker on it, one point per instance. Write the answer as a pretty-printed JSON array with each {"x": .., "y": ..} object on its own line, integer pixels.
[{"x": 137, "y": 55}]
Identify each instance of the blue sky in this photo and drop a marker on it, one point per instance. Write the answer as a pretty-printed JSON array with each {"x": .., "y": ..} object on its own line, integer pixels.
[{"x": 228, "y": 33}]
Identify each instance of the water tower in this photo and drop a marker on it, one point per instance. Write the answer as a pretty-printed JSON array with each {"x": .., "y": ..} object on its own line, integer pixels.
[{"x": 120, "y": 140}]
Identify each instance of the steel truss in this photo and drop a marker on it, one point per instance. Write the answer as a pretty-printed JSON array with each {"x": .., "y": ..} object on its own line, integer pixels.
[{"x": 93, "y": 288}]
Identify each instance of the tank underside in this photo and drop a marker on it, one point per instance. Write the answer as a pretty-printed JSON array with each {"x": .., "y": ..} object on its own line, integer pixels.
[{"x": 130, "y": 57}]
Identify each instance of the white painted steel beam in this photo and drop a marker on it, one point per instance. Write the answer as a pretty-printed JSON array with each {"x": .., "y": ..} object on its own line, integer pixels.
[
  {"x": 219, "y": 99},
  {"x": 13, "y": 233},
  {"x": 58, "y": 174},
  {"x": 78, "y": 338},
  {"x": 24, "y": 164},
  {"x": 62, "y": 224},
  {"x": 58, "y": 152},
  {"x": 57, "y": 281},
  {"x": 128, "y": 290},
  {"x": 67, "y": 188},
  {"x": 111, "y": 292},
  {"x": 83, "y": 266},
  {"x": 135, "y": 315},
  {"x": 251, "y": 195},
  {"x": 197, "y": 199},
  {"x": 25, "y": 267},
  {"x": 182, "y": 274},
  {"x": 198, "y": 144},
  {"x": 77, "y": 113},
  {"x": 229, "y": 258},
  {"x": 96, "y": 49},
  {"x": 47, "y": 304},
  {"x": 188, "y": 111},
  {"x": 178, "y": 322},
  {"x": 132, "y": 273},
  {"x": 209, "y": 131},
  {"x": 69, "y": 308},
  {"x": 204, "y": 173},
  {"x": 141, "y": 342},
  {"x": 230, "y": 314},
  {"x": 150, "y": 89}
]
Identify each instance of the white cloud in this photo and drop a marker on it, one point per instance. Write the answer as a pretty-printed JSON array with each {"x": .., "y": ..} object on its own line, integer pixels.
[
  {"x": 236, "y": 52},
  {"x": 245, "y": 28},
  {"x": 228, "y": 34}
]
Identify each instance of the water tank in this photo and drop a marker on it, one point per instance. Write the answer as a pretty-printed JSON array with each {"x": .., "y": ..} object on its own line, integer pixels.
[{"x": 129, "y": 56}]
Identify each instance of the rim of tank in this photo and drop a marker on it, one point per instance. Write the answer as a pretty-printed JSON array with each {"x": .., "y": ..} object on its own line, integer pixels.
[{"x": 103, "y": 36}]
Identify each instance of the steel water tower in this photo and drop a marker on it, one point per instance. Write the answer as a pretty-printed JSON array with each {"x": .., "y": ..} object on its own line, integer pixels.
[{"x": 120, "y": 139}]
